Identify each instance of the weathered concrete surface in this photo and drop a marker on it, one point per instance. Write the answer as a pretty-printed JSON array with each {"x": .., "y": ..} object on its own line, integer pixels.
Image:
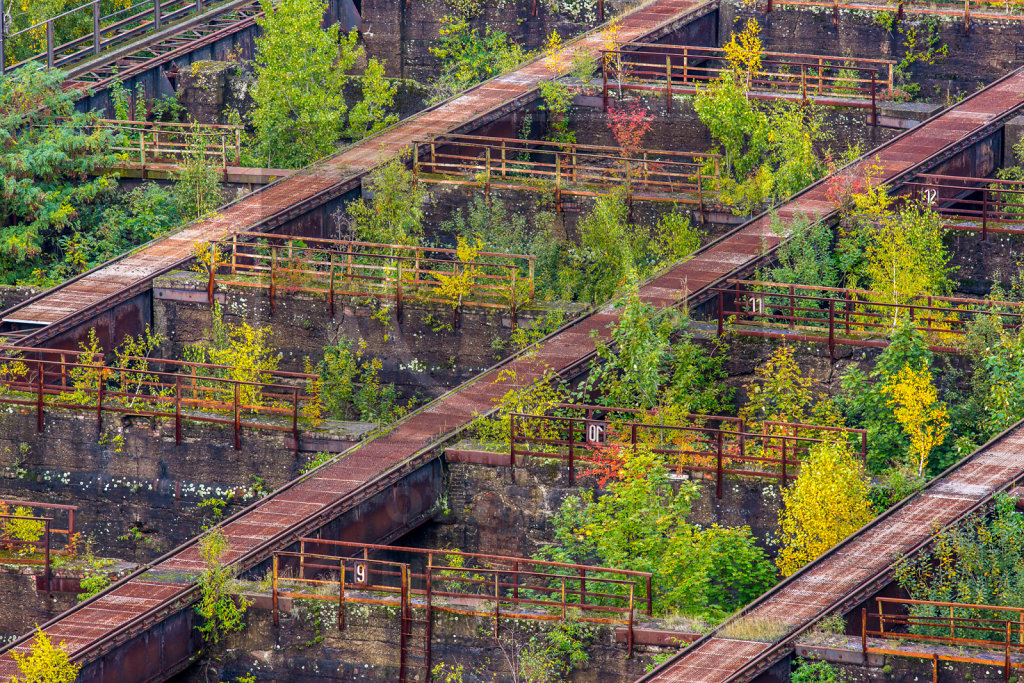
[{"x": 11, "y": 295}]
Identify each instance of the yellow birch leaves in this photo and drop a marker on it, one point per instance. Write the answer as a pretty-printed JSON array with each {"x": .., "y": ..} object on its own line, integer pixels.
[{"x": 916, "y": 406}]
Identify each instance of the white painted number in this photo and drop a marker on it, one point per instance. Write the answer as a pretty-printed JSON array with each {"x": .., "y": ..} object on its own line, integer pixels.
[
  {"x": 360, "y": 573},
  {"x": 595, "y": 432},
  {"x": 931, "y": 195}
]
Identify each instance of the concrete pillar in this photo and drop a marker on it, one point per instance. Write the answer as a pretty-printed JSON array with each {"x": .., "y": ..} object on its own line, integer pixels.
[{"x": 1013, "y": 133}]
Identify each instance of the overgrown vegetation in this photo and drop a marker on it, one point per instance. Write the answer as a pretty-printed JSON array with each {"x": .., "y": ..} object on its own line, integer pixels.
[
  {"x": 45, "y": 662},
  {"x": 221, "y": 610}
]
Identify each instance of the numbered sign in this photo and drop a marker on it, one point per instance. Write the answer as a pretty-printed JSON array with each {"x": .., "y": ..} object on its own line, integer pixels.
[
  {"x": 755, "y": 305},
  {"x": 930, "y": 195},
  {"x": 597, "y": 432},
  {"x": 360, "y": 573}
]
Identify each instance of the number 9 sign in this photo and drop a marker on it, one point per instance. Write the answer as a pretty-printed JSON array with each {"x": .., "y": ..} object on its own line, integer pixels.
[{"x": 360, "y": 573}]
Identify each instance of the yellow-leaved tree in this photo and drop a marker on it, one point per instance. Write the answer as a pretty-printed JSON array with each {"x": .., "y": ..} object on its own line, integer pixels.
[
  {"x": 828, "y": 502},
  {"x": 744, "y": 50},
  {"x": 917, "y": 408},
  {"x": 45, "y": 663}
]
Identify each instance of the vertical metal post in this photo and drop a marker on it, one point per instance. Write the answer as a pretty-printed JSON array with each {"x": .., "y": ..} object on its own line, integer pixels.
[
  {"x": 967, "y": 27},
  {"x": 302, "y": 559},
  {"x": 719, "y": 472},
  {"x": 1006, "y": 669},
  {"x": 629, "y": 637},
  {"x": 415, "y": 163},
  {"x": 238, "y": 438},
  {"x": 96, "y": 27},
  {"x": 783, "y": 461},
  {"x": 512, "y": 447},
  {"x": 650, "y": 598},
  {"x": 157, "y": 13},
  {"x": 341, "y": 594},
  {"x": 572, "y": 462},
  {"x": 497, "y": 600},
  {"x": 668, "y": 82},
  {"x": 864, "y": 633},
  {"x": 99, "y": 404},
  {"x": 583, "y": 586},
  {"x": 273, "y": 598},
  {"x": 403, "y": 620},
  {"x": 604, "y": 80},
  {"x": 295, "y": 419},
  {"x": 49, "y": 43},
  {"x": 273, "y": 276},
  {"x": 984, "y": 215},
  {"x": 832, "y": 330},
  {"x": 330, "y": 291},
  {"x": 600, "y": 10},
  {"x": 563, "y": 598},
  {"x": 515, "y": 583},
  {"x": 177, "y": 410},
  {"x": 48, "y": 522},
  {"x": 39, "y": 395},
  {"x": 874, "y": 112},
  {"x": 512, "y": 299},
  {"x": 803, "y": 83},
  {"x": 234, "y": 253},
  {"x": 721, "y": 313},
  {"x": 398, "y": 308}
]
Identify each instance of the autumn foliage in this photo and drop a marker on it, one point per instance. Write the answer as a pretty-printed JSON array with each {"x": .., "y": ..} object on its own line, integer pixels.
[{"x": 630, "y": 124}]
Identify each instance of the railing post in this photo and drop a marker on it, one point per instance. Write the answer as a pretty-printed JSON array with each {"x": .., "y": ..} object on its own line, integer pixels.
[
  {"x": 341, "y": 594},
  {"x": 273, "y": 277},
  {"x": 295, "y": 419},
  {"x": 238, "y": 438},
  {"x": 497, "y": 601},
  {"x": 273, "y": 599},
  {"x": 572, "y": 463},
  {"x": 984, "y": 215},
  {"x": 512, "y": 447},
  {"x": 874, "y": 113},
  {"x": 398, "y": 298},
  {"x": 1006, "y": 669},
  {"x": 629, "y": 637},
  {"x": 234, "y": 253},
  {"x": 512, "y": 299},
  {"x": 604, "y": 80},
  {"x": 803, "y": 83},
  {"x": 967, "y": 22},
  {"x": 330, "y": 291},
  {"x": 49, "y": 43},
  {"x": 783, "y": 461},
  {"x": 583, "y": 586},
  {"x": 832, "y": 330},
  {"x": 177, "y": 410},
  {"x": 721, "y": 313},
  {"x": 99, "y": 405},
  {"x": 96, "y": 27},
  {"x": 402, "y": 621},
  {"x": 864, "y": 634},
  {"x": 157, "y": 13},
  {"x": 39, "y": 395},
  {"x": 718, "y": 485},
  {"x": 49, "y": 587},
  {"x": 415, "y": 163},
  {"x": 668, "y": 82}
]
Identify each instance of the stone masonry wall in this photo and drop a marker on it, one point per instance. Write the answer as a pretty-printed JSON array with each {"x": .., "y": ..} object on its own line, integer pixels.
[
  {"x": 134, "y": 476},
  {"x": 307, "y": 646},
  {"x": 418, "y": 355},
  {"x": 988, "y": 51}
]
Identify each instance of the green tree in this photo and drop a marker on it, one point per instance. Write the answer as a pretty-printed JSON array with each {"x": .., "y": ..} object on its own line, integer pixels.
[
  {"x": 640, "y": 524},
  {"x": 51, "y": 164},
  {"x": 394, "y": 212},
  {"x": 906, "y": 257},
  {"x": 197, "y": 187},
  {"x": 220, "y": 610},
  {"x": 469, "y": 56},
  {"x": 866, "y": 405},
  {"x": 828, "y": 502},
  {"x": 45, "y": 662},
  {"x": 369, "y": 115},
  {"x": 299, "y": 103}
]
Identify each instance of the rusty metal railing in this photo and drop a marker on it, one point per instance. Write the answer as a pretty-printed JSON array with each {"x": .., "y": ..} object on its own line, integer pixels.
[
  {"x": 565, "y": 168},
  {"x": 978, "y": 9},
  {"x": 147, "y": 143},
  {"x": 26, "y": 534},
  {"x": 388, "y": 272},
  {"x": 182, "y": 391},
  {"x": 680, "y": 69},
  {"x": 955, "y": 624},
  {"x": 493, "y": 586},
  {"x": 999, "y": 209},
  {"x": 853, "y": 317},
  {"x": 776, "y": 452},
  {"x": 104, "y": 30}
]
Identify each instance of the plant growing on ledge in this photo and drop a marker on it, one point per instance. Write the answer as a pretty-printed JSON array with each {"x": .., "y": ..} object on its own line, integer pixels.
[
  {"x": 557, "y": 98},
  {"x": 917, "y": 408},
  {"x": 348, "y": 386},
  {"x": 45, "y": 662},
  {"x": 630, "y": 125},
  {"x": 395, "y": 214},
  {"x": 220, "y": 611},
  {"x": 828, "y": 502},
  {"x": 467, "y": 57}
]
